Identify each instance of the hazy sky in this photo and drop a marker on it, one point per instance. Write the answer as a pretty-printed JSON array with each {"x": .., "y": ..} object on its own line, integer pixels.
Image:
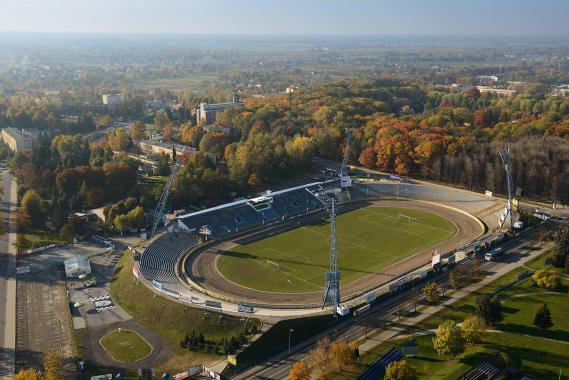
[{"x": 384, "y": 17}]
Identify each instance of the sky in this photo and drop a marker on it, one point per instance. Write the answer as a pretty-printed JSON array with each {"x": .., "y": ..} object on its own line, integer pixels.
[{"x": 289, "y": 17}]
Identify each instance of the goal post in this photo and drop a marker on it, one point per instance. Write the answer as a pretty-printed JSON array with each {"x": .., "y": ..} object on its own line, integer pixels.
[
  {"x": 404, "y": 217},
  {"x": 275, "y": 264}
]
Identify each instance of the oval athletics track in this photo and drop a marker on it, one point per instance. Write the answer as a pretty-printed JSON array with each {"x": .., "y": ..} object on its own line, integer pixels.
[{"x": 201, "y": 266}]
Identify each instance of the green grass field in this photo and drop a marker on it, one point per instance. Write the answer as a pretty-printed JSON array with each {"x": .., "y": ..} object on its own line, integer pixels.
[
  {"x": 126, "y": 345},
  {"x": 368, "y": 240}
]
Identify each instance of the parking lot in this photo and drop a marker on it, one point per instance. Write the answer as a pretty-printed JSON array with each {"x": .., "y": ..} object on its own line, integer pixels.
[
  {"x": 95, "y": 306},
  {"x": 42, "y": 308}
]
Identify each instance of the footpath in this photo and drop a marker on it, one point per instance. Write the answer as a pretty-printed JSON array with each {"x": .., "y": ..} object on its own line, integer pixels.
[{"x": 453, "y": 296}]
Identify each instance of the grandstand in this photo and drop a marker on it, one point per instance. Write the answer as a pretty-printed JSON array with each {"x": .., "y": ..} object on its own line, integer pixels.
[
  {"x": 245, "y": 214},
  {"x": 158, "y": 263}
]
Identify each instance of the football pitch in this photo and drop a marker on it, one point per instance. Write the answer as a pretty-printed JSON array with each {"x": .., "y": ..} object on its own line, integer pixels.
[{"x": 368, "y": 239}]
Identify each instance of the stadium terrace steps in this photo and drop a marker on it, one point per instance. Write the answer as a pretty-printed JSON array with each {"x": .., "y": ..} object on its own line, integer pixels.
[
  {"x": 159, "y": 260},
  {"x": 223, "y": 222}
]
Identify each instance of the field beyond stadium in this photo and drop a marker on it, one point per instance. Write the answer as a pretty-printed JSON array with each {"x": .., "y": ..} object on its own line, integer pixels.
[{"x": 368, "y": 240}]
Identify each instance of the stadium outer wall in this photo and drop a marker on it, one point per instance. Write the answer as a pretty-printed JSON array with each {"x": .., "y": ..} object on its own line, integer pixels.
[{"x": 469, "y": 228}]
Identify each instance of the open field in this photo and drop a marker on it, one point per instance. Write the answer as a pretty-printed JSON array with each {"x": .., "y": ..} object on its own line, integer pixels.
[
  {"x": 368, "y": 240},
  {"x": 125, "y": 345},
  {"x": 175, "y": 84}
]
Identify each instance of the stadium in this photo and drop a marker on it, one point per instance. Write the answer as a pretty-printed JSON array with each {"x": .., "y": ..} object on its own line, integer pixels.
[{"x": 268, "y": 255}]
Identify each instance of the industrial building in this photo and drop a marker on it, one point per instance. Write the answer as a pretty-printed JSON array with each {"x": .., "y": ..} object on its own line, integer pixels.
[{"x": 18, "y": 140}]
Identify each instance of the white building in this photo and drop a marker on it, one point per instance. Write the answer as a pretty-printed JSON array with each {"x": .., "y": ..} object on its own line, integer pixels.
[
  {"x": 18, "y": 140},
  {"x": 76, "y": 266},
  {"x": 111, "y": 99},
  {"x": 207, "y": 113}
]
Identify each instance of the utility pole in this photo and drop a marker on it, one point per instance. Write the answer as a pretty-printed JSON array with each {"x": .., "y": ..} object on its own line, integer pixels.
[{"x": 332, "y": 290}]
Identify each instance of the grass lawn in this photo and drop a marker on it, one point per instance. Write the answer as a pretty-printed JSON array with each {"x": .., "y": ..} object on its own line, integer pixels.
[
  {"x": 36, "y": 237},
  {"x": 147, "y": 185},
  {"x": 530, "y": 354},
  {"x": 126, "y": 345},
  {"x": 171, "y": 319},
  {"x": 368, "y": 240}
]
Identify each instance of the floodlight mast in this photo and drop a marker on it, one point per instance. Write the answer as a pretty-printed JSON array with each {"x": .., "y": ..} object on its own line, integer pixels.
[
  {"x": 332, "y": 290},
  {"x": 159, "y": 216},
  {"x": 505, "y": 156},
  {"x": 345, "y": 180}
]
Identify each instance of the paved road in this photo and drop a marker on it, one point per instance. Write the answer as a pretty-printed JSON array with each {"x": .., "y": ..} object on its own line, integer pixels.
[
  {"x": 7, "y": 279},
  {"x": 353, "y": 330}
]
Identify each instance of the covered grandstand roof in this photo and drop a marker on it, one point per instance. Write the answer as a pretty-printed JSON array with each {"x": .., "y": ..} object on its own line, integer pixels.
[{"x": 245, "y": 201}]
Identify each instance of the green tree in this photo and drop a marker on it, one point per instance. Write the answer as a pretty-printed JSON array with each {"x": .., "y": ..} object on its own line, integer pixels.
[
  {"x": 136, "y": 217},
  {"x": 121, "y": 223},
  {"x": 542, "y": 317},
  {"x": 160, "y": 120},
  {"x": 400, "y": 370},
  {"x": 431, "y": 291},
  {"x": 561, "y": 249},
  {"x": 448, "y": 340},
  {"x": 489, "y": 308},
  {"x": 472, "y": 328}
]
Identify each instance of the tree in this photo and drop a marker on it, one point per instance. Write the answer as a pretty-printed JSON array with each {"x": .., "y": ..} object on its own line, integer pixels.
[
  {"x": 431, "y": 291},
  {"x": 457, "y": 277},
  {"x": 160, "y": 120},
  {"x": 118, "y": 140},
  {"x": 23, "y": 219},
  {"x": 546, "y": 279},
  {"x": 489, "y": 308},
  {"x": 319, "y": 356},
  {"x": 448, "y": 340},
  {"x": 472, "y": 328},
  {"x": 561, "y": 249},
  {"x": 342, "y": 353},
  {"x": 138, "y": 131},
  {"x": 121, "y": 223},
  {"x": 168, "y": 133},
  {"x": 136, "y": 217},
  {"x": 542, "y": 317},
  {"x": 53, "y": 366},
  {"x": 28, "y": 374},
  {"x": 475, "y": 270},
  {"x": 400, "y": 370},
  {"x": 300, "y": 371}
]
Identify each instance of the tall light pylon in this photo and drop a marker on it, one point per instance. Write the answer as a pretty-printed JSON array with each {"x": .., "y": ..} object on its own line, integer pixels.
[
  {"x": 508, "y": 211},
  {"x": 159, "y": 211},
  {"x": 345, "y": 180},
  {"x": 332, "y": 290}
]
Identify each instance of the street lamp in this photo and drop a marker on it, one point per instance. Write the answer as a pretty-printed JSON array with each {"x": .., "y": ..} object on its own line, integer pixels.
[{"x": 290, "y": 331}]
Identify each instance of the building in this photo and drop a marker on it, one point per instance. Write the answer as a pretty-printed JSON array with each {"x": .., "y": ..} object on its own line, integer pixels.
[
  {"x": 111, "y": 99},
  {"x": 207, "y": 113},
  {"x": 77, "y": 266},
  {"x": 18, "y": 140},
  {"x": 497, "y": 91},
  {"x": 562, "y": 90},
  {"x": 159, "y": 147}
]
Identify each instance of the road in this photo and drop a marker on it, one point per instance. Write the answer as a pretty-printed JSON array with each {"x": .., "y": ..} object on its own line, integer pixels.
[
  {"x": 7, "y": 279},
  {"x": 353, "y": 330}
]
